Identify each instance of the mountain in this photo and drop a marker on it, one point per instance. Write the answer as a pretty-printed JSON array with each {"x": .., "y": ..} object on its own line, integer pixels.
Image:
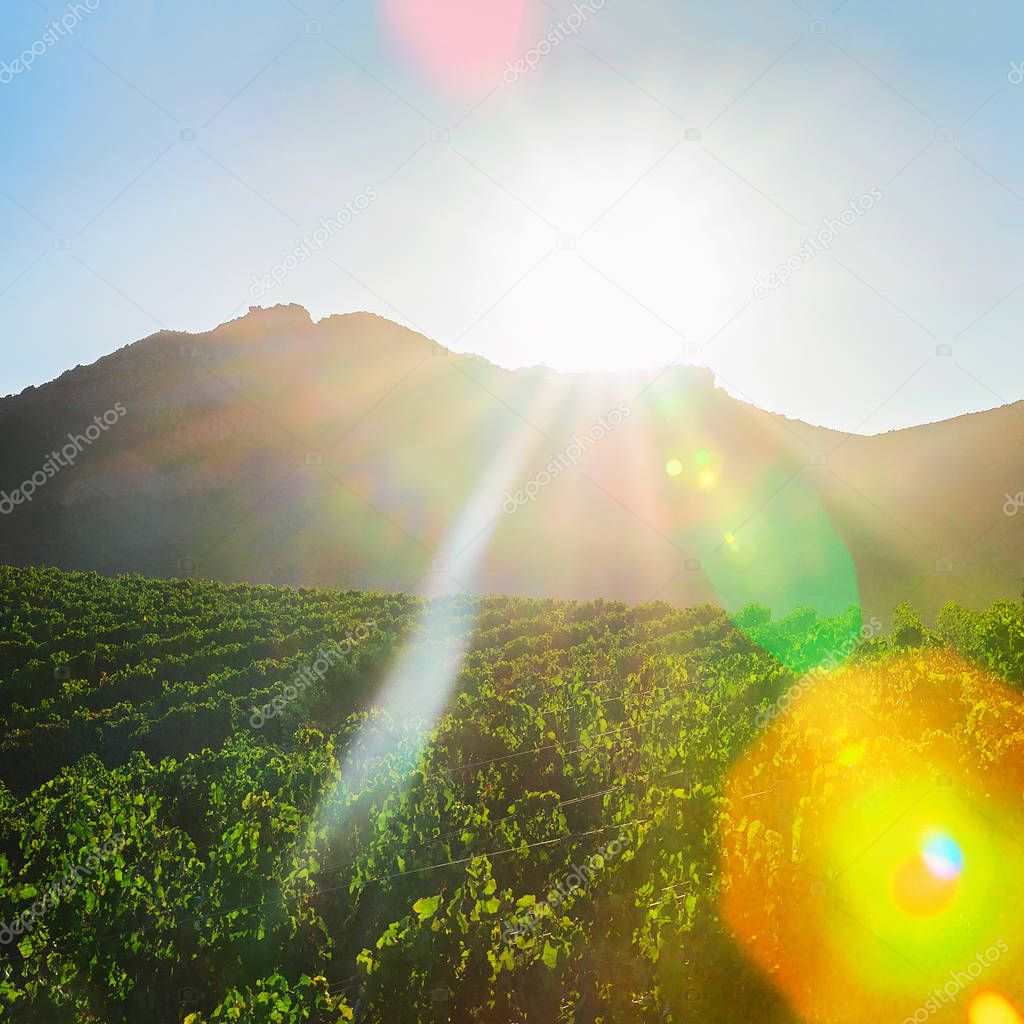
[{"x": 356, "y": 453}]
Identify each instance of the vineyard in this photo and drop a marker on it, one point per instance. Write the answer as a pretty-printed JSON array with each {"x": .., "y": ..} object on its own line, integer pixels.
[{"x": 565, "y": 812}]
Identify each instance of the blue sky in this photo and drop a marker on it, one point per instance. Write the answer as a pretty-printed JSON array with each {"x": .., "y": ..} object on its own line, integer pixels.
[{"x": 162, "y": 156}]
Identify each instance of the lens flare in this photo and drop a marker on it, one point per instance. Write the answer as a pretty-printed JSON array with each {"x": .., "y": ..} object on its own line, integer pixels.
[
  {"x": 926, "y": 883},
  {"x": 783, "y": 553},
  {"x": 858, "y": 859},
  {"x": 673, "y": 467},
  {"x": 992, "y": 1008},
  {"x": 461, "y": 44},
  {"x": 943, "y": 856},
  {"x": 917, "y": 891},
  {"x": 707, "y": 479}
]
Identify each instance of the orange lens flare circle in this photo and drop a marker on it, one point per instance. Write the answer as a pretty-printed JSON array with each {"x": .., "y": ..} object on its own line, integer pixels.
[
  {"x": 992, "y": 1008},
  {"x": 866, "y": 846},
  {"x": 919, "y": 892},
  {"x": 927, "y": 882}
]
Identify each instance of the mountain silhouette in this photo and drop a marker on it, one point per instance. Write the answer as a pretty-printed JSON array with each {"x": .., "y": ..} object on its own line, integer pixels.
[{"x": 355, "y": 453}]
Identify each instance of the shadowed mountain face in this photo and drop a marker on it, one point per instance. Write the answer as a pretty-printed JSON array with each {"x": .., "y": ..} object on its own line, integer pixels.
[{"x": 355, "y": 453}]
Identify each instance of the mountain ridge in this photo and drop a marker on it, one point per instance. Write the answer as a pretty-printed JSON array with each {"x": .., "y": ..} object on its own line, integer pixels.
[
  {"x": 302, "y": 316},
  {"x": 353, "y": 451}
]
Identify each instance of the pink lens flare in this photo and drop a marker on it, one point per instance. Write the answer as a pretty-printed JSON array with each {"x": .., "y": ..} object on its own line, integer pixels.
[{"x": 460, "y": 43}]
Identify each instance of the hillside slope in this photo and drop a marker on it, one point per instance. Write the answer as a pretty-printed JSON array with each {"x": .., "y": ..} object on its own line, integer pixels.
[{"x": 357, "y": 453}]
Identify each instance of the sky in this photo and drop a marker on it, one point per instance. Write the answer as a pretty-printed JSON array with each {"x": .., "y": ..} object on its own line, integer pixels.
[{"x": 623, "y": 199}]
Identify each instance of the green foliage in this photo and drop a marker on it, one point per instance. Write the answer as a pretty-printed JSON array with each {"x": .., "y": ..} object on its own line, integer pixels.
[
  {"x": 274, "y": 1001},
  {"x": 343, "y": 863},
  {"x": 907, "y": 628}
]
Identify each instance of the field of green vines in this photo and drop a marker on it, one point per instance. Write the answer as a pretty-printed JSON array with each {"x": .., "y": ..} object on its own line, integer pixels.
[{"x": 189, "y": 834}]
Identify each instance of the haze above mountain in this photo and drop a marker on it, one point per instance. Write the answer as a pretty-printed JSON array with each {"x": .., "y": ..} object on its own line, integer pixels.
[{"x": 355, "y": 453}]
